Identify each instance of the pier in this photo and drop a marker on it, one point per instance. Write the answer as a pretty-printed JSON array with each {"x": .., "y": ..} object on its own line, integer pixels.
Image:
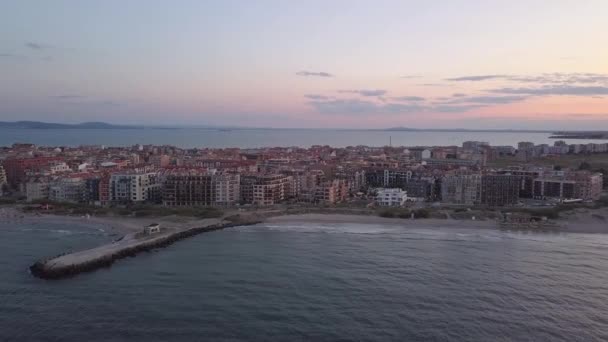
[{"x": 130, "y": 245}]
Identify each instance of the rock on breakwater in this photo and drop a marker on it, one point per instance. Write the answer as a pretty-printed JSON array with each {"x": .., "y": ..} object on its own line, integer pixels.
[{"x": 68, "y": 265}]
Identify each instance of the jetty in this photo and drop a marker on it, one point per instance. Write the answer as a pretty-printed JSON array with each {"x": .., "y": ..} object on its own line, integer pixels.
[{"x": 130, "y": 245}]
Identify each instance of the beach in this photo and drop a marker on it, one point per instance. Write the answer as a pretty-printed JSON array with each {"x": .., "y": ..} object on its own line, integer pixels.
[{"x": 575, "y": 221}]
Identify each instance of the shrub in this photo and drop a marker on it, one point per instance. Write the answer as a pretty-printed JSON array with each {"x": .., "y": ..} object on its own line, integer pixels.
[
  {"x": 386, "y": 213},
  {"x": 404, "y": 214},
  {"x": 422, "y": 213}
]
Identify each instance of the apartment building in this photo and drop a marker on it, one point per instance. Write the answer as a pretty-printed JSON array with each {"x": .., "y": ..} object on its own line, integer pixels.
[
  {"x": 393, "y": 197},
  {"x": 461, "y": 189},
  {"x": 331, "y": 192},
  {"x": 134, "y": 187},
  {"x": 36, "y": 189},
  {"x": 17, "y": 167},
  {"x": 227, "y": 188},
  {"x": 200, "y": 188},
  {"x": 160, "y": 160},
  {"x": 67, "y": 189},
  {"x": 500, "y": 190},
  {"x": 581, "y": 185},
  {"x": 188, "y": 188},
  {"x": 421, "y": 189},
  {"x": 272, "y": 189},
  {"x": 387, "y": 178},
  {"x": 2, "y": 176}
]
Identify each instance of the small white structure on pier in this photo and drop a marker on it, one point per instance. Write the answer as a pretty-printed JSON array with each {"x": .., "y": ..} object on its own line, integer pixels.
[{"x": 152, "y": 229}]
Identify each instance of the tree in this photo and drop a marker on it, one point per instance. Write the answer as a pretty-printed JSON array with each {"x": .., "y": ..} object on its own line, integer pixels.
[
  {"x": 584, "y": 166},
  {"x": 557, "y": 168}
]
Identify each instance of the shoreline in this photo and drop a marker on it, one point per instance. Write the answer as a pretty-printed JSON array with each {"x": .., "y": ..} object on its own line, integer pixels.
[
  {"x": 133, "y": 241},
  {"x": 581, "y": 220}
]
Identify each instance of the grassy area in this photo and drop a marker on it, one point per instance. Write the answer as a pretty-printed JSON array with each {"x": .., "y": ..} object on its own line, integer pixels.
[
  {"x": 7, "y": 201},
  {"x": 64, "y": 208},
  {"x": 404, "y": 213}
]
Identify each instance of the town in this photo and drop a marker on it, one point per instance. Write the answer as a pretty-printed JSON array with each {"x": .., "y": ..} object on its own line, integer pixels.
[{"x": 475, "y": 175}]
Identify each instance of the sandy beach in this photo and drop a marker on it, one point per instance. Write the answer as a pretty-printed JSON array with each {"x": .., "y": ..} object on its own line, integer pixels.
[
  {"x": 370, "y": 219},
  {"x": 111, "y": 224},
  {"x": 576, "y": 221}
]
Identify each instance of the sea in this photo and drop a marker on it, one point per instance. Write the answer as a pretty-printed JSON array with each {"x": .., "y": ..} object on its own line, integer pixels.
[
  {"x": 255, "y": 138},
  {"x": 312, "y": 282}
]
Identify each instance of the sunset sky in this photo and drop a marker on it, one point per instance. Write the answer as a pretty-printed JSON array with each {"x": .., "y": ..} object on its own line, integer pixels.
[{"x": 342, "y": 64}]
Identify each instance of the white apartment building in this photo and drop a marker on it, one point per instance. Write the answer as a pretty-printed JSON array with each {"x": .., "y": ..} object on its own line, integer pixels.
[
  {"x": 391, "y": 197},
  {"x": 227, "y": 188},
  {"x": 36, "y": 189},
  {"x": 59, "y": 167},
  {"x": 67, "y": 190},
  {"x": 133, "y": 187}
]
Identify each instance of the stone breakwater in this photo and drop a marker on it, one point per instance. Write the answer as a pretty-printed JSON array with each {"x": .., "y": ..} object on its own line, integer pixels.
[{"x": 68, "y": 265}]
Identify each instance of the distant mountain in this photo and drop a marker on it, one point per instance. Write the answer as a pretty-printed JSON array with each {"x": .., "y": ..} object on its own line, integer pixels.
[
  {"x": 465, "y": 130},
  {"x": 48, "y": 125},
  {"x": 401, "y": 129}
]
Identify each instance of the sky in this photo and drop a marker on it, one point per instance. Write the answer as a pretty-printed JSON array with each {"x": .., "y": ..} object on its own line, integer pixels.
[{"x": 316, "y": 64}]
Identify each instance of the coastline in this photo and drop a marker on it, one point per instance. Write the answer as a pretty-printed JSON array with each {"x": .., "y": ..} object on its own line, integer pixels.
[
  {"x": 574, "y": 221},
  {"x": 132, "y": 239},
  {"x": 330, "y": 218}
]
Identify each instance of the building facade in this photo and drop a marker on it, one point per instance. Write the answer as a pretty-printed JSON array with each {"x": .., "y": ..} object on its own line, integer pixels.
[
  {"x": 134, "y": 187},
  {"x": 461, "y": 189},
  {"x": 500, "y": 190},
  {"x": 392, "y": 197}
]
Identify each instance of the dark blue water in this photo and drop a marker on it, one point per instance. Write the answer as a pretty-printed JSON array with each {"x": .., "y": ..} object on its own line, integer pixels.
[
  {"x": 343, "y": 282},
  {"x": 188, "y": 138}
]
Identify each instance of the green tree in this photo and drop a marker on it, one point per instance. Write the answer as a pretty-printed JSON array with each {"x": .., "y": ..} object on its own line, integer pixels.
[{"x": 584, "y": 166}]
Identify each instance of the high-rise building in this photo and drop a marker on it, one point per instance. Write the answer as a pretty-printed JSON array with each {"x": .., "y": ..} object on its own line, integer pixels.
[
  {"x": 579, "y": 185},
  {"x": 387, "y": 178},
  {"x": 227, "y": 188},
  {"x": 16, "y": 168},
  {"x": 500, "y": 190},
  {"x": 67, "y": 189},
  {"x": 272, "y": 189},
  {"x": 461, "y": 189},
  {"x": 2, "y": 177},
  {"x": 133, "y": 186},
  {"x": 200, "y": 188},
  {"x": 188, "y": 188},
  {"x": 36, "y": 189}
]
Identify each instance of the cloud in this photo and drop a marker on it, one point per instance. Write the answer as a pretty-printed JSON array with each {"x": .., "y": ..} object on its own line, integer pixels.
[
  {"x": 365, "y": 107},
  {"x": 434, "y": 85},
  {"x": 313, "y": 73},
  {"x": 410, "y": 76},
  {"x": 69, "y": 97},
  {"x": 562, "y": 78},
  {"x": 475, "y": 78},
  {"x": 317, "y": 97},
  {"x": 555, "y": 90},
  {"x": 37, "y": 46},
  {"x": 85, "y": 101},
  {"x": 408, "y": 98},
  {"x": 486, "y": 100},
  {"x": 493, "y": 100},
  {"x": 11, "y": 56},
  {"x": 365, "y": 92},
  {"x": 345, "y": 106},
  {"x": 459, "y": 95},
  {"x": 546, "y": 78},
  {"x": 457, "y": 108}
]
